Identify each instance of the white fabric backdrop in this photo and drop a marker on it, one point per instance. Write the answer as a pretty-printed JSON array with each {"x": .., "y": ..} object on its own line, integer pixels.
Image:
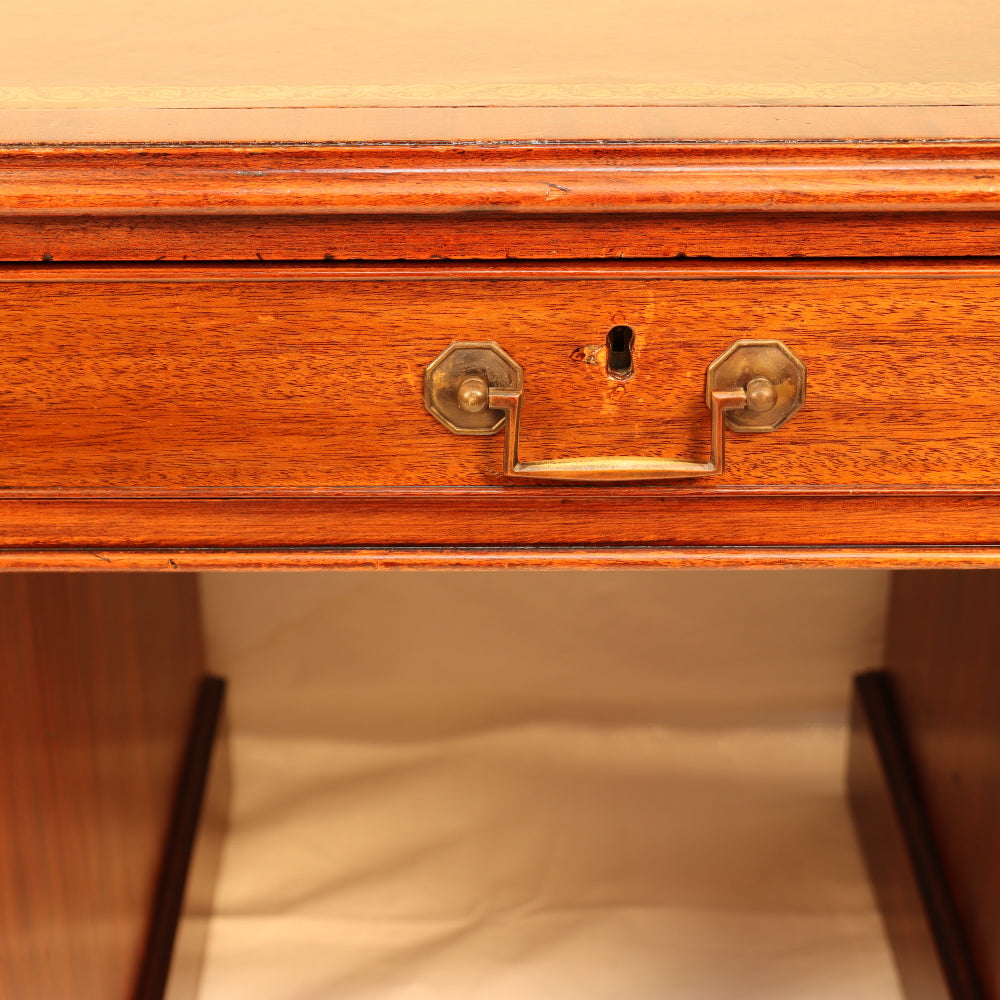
[{"x": 609, "y": 786}]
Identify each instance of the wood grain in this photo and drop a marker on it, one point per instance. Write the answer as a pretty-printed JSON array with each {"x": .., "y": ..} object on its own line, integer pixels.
[
  {"x": 266, "y": 408},
  {"x": 942, "y": 653},
  {"x": 98, "y": 685},
  {"x": 286, "y": 379},
  {"x": 460, "y": 177},
  {"x": 482, "y": 557},
  {"x": 260, "y": 407},
  {"x": 484, "y": 234},
  {"x": 505, "y": 520}
]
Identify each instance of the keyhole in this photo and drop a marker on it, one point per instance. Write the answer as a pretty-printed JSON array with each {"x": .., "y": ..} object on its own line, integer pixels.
[{"x": 620, "y": 341}]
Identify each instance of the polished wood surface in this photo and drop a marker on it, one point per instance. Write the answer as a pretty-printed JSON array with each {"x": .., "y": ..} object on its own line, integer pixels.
[
  {"x": 97, "y": 688},
  {"x": 494, "y": 235},
  {"x": 942, "y": 653},
  {"x": 285, "y": 379},
  {"x": 507, "y": 557},
  {"x": 552, "y": 178},
  {"x": 203, "y": 406},
  {"x": 494, "y": 521},
  {"x": 180, "y": 415}
]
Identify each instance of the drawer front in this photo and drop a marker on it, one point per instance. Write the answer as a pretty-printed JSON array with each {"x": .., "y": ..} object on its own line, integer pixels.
[{"x": 287, "y": 380}]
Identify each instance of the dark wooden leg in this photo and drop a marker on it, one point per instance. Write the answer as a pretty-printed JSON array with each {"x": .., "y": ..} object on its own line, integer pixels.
[
  {"x": 176, "y": 945},
  {"x": 101, "y": 680},
  {"x": 925, "y": 781}
]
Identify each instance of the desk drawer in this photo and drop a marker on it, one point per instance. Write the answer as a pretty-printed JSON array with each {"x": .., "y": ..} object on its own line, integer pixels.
[{"x": 291, "y": 379}]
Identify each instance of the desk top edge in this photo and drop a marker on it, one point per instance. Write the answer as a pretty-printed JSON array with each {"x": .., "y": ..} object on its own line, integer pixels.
[{"x": 522, "y": 177}]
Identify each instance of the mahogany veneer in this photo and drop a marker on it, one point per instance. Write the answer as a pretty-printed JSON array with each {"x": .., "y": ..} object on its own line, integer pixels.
[
  {"x": 943, "y": 660},
  {"x": 213, "y": 357},
  {"x": 170, "y": 407},
  {"x": 281, "y": 379},
  {"x": 99, "y": 680}
]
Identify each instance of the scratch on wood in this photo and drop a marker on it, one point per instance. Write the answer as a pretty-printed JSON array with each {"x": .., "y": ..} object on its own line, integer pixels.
[{"x": 589, "y": 355}]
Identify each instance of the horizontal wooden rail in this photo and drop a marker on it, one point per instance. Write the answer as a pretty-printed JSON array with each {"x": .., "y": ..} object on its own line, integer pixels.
[
  {"x": 520, "y": 178},
  {"x": 485, "y": 557}
]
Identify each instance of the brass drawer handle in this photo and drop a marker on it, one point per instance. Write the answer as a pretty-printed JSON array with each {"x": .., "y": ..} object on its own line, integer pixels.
[
  {"x": 477, "y": 388},
  {"x": 612, "y": 468}
]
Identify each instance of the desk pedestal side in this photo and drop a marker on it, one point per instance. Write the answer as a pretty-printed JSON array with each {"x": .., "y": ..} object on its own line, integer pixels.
[
  {"x": 107, "y": 723},
  {"x": 924, "y": 782}
]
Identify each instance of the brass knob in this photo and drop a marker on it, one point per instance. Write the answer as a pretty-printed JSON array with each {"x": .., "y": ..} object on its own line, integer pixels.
[
  {"x": 473, "y": 394},
  {"x": 761, "y": 395},
  {"x": 772, "y": 377}
]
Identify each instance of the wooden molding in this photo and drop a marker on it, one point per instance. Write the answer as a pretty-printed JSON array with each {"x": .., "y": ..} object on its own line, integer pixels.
[
  {"x": 498, "y": 521},
  {"x": 497, "y": 235},
  {"x": 551, "y": 178},
  {"x": 572, "y": 270},
  {"x": 495, "y": 557}
]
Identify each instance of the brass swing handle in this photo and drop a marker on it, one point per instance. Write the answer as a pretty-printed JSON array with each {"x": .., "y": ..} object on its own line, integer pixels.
[
  {"x": 477, "y": 388},
  {"x": 613, "y": 468}
]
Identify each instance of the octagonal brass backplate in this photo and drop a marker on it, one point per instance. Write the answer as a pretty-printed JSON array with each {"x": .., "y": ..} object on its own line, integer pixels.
[
  {"x": 747, "y": 360},
  {"x": 460, "y": 361}
]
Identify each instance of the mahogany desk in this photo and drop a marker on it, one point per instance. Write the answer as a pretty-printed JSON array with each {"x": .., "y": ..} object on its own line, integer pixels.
[{"x": 215, "y": 355}]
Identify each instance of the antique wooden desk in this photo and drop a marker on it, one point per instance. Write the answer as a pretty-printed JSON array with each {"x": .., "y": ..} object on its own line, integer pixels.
[{"x": 222, "y": 332}]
